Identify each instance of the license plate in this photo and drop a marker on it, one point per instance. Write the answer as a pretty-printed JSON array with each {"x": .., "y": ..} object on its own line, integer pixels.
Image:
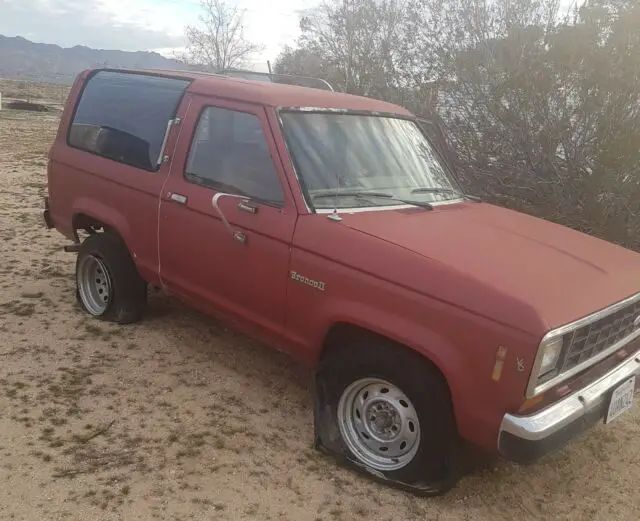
[{"x": 621, "y": 399}]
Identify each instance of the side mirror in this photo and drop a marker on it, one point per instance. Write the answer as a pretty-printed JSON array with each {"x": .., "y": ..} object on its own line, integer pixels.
[{"x": 237, "y": 235}]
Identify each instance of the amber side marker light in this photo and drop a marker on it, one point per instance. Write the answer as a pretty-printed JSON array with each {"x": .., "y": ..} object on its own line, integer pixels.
[
  {"x": 501, "y": 354},
  {"x": 530, "y": 403}
]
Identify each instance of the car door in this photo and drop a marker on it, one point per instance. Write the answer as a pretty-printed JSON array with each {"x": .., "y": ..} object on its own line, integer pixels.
[{"x": 227, "y": 215}]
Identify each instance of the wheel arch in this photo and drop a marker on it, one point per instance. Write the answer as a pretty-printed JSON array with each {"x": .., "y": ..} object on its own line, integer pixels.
[
  {"x": 83, "y": 221},
  {"x": 341, "y": 332},
  {"x": 90, "y": 214}
]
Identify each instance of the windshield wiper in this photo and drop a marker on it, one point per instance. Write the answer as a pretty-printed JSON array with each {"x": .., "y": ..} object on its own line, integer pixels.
[
  {"x": 350, "y": 193},
  {"x": 429, "y": 190},
  {"x": 363, "y": 194}
]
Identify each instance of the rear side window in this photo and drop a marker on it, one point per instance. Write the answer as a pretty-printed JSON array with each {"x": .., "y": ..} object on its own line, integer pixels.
[
  {"x": 124, "y": 116},
  {"x": 230, "y": 153}
]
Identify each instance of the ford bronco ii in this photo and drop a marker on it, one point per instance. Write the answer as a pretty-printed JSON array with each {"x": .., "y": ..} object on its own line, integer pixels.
[{"x": 328, "y": 226}]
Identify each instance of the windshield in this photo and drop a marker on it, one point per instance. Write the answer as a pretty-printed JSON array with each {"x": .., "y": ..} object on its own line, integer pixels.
[{"x": 341, "y": 157}]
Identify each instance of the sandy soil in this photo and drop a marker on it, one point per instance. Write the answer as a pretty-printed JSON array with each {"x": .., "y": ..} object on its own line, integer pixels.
[{"x": 178, "y": 418}]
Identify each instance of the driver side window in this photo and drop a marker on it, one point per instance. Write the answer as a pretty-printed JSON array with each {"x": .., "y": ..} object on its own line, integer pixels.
[{"x": 229, "y": 153}]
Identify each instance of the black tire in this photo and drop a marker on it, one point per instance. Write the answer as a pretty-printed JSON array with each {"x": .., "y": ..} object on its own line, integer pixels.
[
  {"x": 128, "y": 294},
  {"x": 421, "y": 383}
]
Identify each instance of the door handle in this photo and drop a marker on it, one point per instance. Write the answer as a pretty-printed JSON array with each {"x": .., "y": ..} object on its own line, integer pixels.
[
  {"x": 177, "y": 198},
  {"x": 246, "y": 207},
  {"x": 237, "y": 235}
]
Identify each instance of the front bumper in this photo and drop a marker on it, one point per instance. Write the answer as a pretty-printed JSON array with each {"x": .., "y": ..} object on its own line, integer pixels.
[{"x": 526, "y": 438}]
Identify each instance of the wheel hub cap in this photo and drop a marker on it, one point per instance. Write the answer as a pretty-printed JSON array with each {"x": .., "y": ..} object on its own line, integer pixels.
[
  {"x": 379, "y": 424},
  {"x": 383, "y": 419},
  {"x": 94, "y": 284}
]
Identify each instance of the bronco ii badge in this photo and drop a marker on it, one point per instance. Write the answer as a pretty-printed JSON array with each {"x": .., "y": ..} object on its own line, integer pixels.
[{"x": 309, "y": 282}]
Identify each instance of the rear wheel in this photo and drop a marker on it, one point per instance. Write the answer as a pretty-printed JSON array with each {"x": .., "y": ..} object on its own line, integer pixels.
[
  {"x": 392, "y": 410},
  {"x": 107, "y": 280}
]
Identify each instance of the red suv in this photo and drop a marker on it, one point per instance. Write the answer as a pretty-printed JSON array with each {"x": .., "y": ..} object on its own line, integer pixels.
[{"x": 329, "y": 226}]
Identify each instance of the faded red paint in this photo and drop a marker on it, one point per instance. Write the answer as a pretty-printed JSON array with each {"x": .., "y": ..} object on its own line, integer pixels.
[{"x": 454, "y": 283}]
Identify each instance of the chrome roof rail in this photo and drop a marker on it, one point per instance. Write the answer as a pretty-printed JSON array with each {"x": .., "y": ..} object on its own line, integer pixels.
[{"x": 289, "y": 79}]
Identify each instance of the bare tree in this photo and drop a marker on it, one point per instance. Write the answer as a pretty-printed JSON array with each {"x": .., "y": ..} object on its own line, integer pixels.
[
  {"x": 539, "y": 100},
  {"x": 358, "y": 45},
  {"x": 219, "y": 41}
]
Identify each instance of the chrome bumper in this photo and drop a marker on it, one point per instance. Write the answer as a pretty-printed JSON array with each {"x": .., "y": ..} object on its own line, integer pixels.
[{"x": 526, "y": 438}]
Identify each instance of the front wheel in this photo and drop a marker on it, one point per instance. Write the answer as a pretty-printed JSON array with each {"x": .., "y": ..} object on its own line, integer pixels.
[
  {"x": 379, "y": 424},
  {"x": 392, "y": 411}
]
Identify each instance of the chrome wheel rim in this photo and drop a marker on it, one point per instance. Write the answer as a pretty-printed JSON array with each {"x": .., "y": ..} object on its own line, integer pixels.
[
  {"x": 94, "y": 284},
  {"x": 379, "y": 424}
]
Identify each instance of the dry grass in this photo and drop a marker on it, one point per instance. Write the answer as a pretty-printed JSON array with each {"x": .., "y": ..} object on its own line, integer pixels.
[
  {"x": 46, "y": 93},
  {"x": 178, "y": 418}
]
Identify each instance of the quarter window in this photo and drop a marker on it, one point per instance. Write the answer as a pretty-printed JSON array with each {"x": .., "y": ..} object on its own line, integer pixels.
[
  {"x": 230, "y": 153},
  {"x": 124, "y": 116}
]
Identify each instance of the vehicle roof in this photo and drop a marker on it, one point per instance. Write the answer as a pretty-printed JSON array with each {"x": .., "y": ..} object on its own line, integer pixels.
[{"x": 274, "y": 94}]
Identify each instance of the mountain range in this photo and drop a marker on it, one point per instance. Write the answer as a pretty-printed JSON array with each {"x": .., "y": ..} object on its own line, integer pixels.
[{"x": 22, "y": 59}]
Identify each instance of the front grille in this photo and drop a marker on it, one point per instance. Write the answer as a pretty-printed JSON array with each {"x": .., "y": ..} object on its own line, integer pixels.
[{"x": 591, "y": 340}]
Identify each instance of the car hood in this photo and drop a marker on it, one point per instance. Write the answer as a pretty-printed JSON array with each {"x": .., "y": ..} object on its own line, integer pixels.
[{"x": 487, "y": 257}]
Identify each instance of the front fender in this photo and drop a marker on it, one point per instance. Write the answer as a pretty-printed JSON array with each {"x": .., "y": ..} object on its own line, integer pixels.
[
  {"x": 461, "y": 345},
  {"x": 449, "y": 358},
  {"x": 399, "y": 328}
]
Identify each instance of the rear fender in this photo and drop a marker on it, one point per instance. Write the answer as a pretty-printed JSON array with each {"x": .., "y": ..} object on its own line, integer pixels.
[{"x": 107, "y": 216}]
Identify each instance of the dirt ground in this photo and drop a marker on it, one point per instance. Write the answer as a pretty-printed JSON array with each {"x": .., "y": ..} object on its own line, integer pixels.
[
  {"x": 48, "y": 93},
  {"x": 178, "y": 418}
]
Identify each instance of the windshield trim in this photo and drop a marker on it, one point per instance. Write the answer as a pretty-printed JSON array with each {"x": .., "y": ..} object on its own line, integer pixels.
[
  {"x": 360, "y": 209},
  {"x": 306, "y": 196}
]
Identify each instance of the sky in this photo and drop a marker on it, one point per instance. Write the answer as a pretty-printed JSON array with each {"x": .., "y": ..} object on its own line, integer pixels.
[{"x": 143, "y": 25}]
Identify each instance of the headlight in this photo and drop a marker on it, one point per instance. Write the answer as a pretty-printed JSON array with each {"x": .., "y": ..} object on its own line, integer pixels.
[
  {"x": 549, "y": 355},
  {"x": 545, "y": 367}
]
